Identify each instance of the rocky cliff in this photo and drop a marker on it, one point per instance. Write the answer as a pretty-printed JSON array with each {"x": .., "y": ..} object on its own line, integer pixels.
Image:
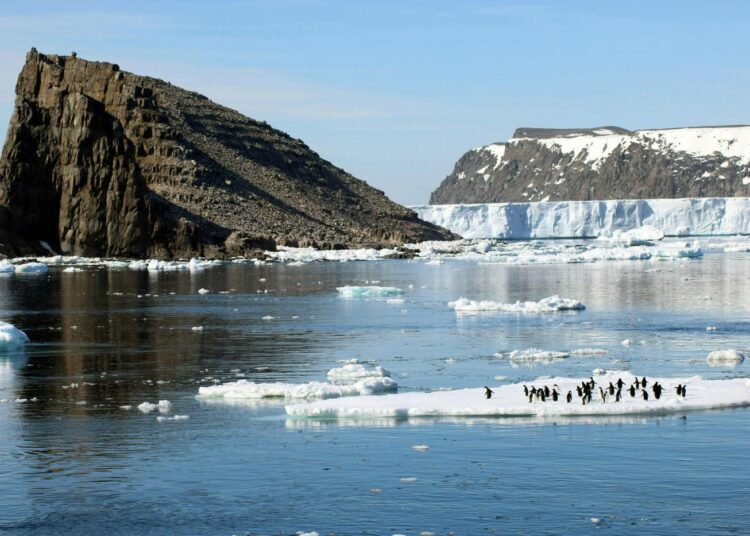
[
  {"x": 603, "y": 163},
  {"x": 98, "y": 161}
]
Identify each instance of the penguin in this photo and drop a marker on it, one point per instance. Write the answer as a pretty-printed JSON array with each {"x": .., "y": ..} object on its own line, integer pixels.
[
  {"x": 555, "y": 396},
  {"x": 644, "y": 383},
  {"x": 632, "y": 391},
  {"x": 611, "y": 388},
  {"x": 618, "y": 397},
  {"x": 601, "y": 393},
  {"x": 684, "y": 391},
  {"x": 637, "y": 383},
  {"x": 657, "y": 391},
  {"x": 645, "y": 395},
  {"x": 579, "y": 391},
  {"x": 592, "y": 382},
  {"x": 546, "y": 391},
  {"x": 531, "y": 398},
  {"x": 569, "y": 398},
  {"x": 542, "y": 397},
  {"x": 557, "y": 388},
  {"x": 620, "y": 383},
  {"x": 525, "y": 390},
  {"x": 679, "y": 390},
  {"x": 488, "y": 392},
  {"x": 604, "y": 398},
  {"x": 583, "y": 400}
]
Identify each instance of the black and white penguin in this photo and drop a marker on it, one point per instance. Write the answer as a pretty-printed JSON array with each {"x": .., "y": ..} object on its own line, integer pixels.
[
  {"x": 679, "y": 390},
  {"x": 531, "y": 398},
  {"x": 645, "y": 395},
  {"x": 657, "y": 390},
  {"x": 618, "y": 396},
  {"x": 632, "y": 391},
  {"x": 579, "y": 391},
  {"x": 620, "y": 383},
  {"x": 546, "y": 391},
  {"x": 644, "y": 383},
  {"x": 601, "y": 393},
  {"x": 684, "y": 391},
  {"x": 488, "y": 392},
  {"x": 611, "y": 388},
  {"x": 637, "y": 383},
  {"x": 525, "y": 390},
  {"x": 541, "y": 396},
  {"x": 555, "y": 396},
  {"x": 604, "y": 398},
  {"x": 570, "y": 397}
]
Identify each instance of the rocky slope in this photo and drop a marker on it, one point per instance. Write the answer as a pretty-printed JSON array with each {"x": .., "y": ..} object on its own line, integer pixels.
[
  {"x": 102, "y": 162},
  {"x": 603, "y": 163}
]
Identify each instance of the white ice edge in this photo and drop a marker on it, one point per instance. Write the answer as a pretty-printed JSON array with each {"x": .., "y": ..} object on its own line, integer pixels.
[
  {"x": 509, "y": 401},
  {"x": 11, "y": 336}
]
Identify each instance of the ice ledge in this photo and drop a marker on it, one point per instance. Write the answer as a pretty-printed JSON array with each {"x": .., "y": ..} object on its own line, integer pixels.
[{"x": 591, "y": 219}]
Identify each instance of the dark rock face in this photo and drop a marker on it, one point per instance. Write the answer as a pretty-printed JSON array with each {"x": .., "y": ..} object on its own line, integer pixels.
[
  {"x": 603, "y": 163},
  {"x": 100, "y": 162}
]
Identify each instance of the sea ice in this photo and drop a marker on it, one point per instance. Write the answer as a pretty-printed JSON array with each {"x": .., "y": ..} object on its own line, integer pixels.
[
  {"x": 723, "y": 358},
  {"x": 203, "y": 291},
  {"x": 421, "y": 448},
  {"x": 368, "y": 292},
  {"x": 348, "y": 380},
  {"x": 174, "y": 418},
  {"x": 547, "y": 305},
  {"x": 588, "y": 352},
  {"x": 509, "y": 400},
  {"x": 536, "y": 355},
  {"x": 31, "y": 268},
  {"x": 11, "y": 336},
  {"x": 147, "y": 407}
]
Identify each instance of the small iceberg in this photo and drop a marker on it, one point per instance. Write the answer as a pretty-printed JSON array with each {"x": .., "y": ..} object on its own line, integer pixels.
[
  {"x": 509, "y": 400},
  {"x": 368, "y": 292},
  {"x": 11, "y": 336},
  {"x": 536, "y": 355},
  {"x": 547, "y": 305},
  {"x": 725, "y": 358},
  {"x": 31, "y": 268},
  {"x": 352, "y": 379}
]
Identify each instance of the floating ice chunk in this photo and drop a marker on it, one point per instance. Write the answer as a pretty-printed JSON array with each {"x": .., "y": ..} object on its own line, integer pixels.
[
  {"x": 11, "y": 336},
  {"x": 313, "y": 533},
  {"x": 6, "y": 267},
  {"x": 267, "y": 317},
  {"x": 536, "y": 355},
  {"x": 243, "y": 389},
  {"x": 500, "y": 378},
  {"x": 72, "y": 269},
  {"x": 354, "y": 372},
  {"x": 395, "y": 301},
  {"x": 408, "y": 479},
  {"x": 126, "y": 407},
  {"x": 368, "y": 292},
  {"x": 31, "y": 268},
  {"x": 627, "y": 342},
  {"x": 421, "y": 448},
  {"x": 147, "y": 407},
  {"x": 596, "y": 521},
  {"x": 509, "y": 400},
  {"x": 161, "y": 418},
  {"x": 723, "y": 358},
  {"x": 203, "y": 291},
  {"x": 588, "y": 352},
  {"x": 547, "y": 305},
  {"x": 197, "y": 328},
  {"x": 711, "y": 328},
  {"x": 641, "y": 236}
]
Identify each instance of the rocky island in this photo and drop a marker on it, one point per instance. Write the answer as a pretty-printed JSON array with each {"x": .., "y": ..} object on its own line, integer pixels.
[{"x": 102, "y": 162}]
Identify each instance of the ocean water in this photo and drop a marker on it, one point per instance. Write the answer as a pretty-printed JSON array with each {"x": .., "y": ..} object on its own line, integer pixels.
[{"x": 73, "y": 462}]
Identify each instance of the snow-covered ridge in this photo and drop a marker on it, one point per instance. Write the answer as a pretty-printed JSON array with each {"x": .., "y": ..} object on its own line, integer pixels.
[
  {"x": 591, "y": 219},
  {"x": 596, "y": 146}
]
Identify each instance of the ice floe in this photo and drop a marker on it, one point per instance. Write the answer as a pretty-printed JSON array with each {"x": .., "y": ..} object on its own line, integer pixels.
[
  {"x": 11, "y": 336},
  {"x": 723, "y": 358},
  {"x": 547, "y": 305},
  {"x": 352, "y": 379},
  {"x": 509, "y": 401},
  {"x": 535, "y": 355},
  {"x": 372, "y": 291},
  {"x": 31, "y": 268},
  {"x": 164, "y": 406}
]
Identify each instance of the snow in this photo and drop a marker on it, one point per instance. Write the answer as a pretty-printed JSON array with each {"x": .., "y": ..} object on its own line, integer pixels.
[
  {"x": 509, "y": 401},
  {"x": 547, "y": 305},
  {"x": 723, "y": 358},
  {"x": 368, "y": 292},
  {"x": 11, "y": 336},
  {"x": 591, "y": 219},
  {"x": 352, "y": 379}
]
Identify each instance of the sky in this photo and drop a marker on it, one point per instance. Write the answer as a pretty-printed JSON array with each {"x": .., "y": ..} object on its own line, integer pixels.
[{"x": 395, "y": 92}]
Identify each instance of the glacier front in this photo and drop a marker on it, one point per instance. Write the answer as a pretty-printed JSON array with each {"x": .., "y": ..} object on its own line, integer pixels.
[{"x": 592, "y": 219}]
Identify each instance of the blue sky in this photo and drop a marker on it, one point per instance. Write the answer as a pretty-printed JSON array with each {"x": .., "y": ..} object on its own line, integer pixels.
[{"x": 395, "y": 91}]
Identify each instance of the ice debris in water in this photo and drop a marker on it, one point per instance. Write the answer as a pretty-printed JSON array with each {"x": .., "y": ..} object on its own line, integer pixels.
[
  {"x": 368, "y": 292},
  {"x": 156, "y": 265},
  {"x": 203, "y": 291},
  {"x": 11, "y": 336},
  {"x": 722, "y": 358},
  {"x": 174, "y": 418},
  {"x": 589, "y": 352},
  {"x": 641, "y": 236},
  {"x": 547, "y": 305},
  {"x": 288, "y": 254},
  {"x": 536, "y": 355},
  {"x": 352, "y": 379},
  {"x": 31, "y": 268},
  {"x": 421, "y": 448},
  {"x": 509, "y": 400},
  {"x": 147, "y": 407}
]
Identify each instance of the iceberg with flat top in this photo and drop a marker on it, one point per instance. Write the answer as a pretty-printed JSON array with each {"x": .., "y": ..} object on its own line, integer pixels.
[
  {"x": 592, "y": 219},
  {"x": 547, "y": 305},
  {"x": 510, "y": 401}
]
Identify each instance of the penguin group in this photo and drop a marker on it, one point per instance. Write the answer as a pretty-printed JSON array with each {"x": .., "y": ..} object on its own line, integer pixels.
[{"x": 612, "y": 392}]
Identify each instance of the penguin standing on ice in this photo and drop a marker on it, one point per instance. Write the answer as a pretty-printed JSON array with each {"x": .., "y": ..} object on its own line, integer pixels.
[
  {"x": 656, "y": 388},
  {"x": 632, "y": 391},
  {"x": 602, "y": 395},
  {"x": 569, "y": 398},
  {"x": 546, "y": 391},
  {"x": 643, "y": 382},
  {"x": 579, "y": 391},
  {"x": 620, "y": 383},
  {"x": 555, "y": 396},
  {"x": 488, "y": 392},
  {"x": 611, "y": 388},
  {"x": 618, "y": 396},
  {"x": 679, "y": 389},
  {"x": 645, "y": 395},
  {"x": 684, "y": 391},
  {"x": 525, "y": 390},
  {"x": 637, "y": 383}
]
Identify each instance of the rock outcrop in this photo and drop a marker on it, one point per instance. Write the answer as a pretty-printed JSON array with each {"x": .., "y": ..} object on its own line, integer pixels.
[
  {"x": 603, "y": 163},
  {"x": 101, "y": 162}
]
